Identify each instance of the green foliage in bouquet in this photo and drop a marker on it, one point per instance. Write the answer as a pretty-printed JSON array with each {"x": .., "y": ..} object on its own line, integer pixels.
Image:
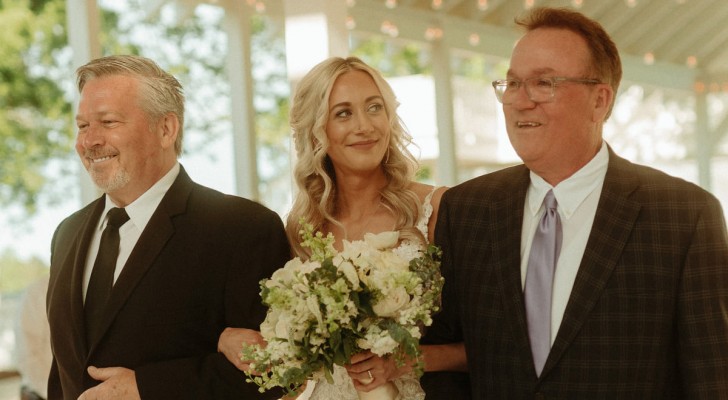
[{"x": 377, "y": 295}]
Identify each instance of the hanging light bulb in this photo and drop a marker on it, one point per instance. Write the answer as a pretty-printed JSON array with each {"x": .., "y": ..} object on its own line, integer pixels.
[
  {"x": 350, "y": 23},
  {"x": 577, "y": 3},
  {"x": 433, "y": 33},
  {"x": 482, "y": 5},
  {"x": 631, "y": 3},
  {"x": 649, "y": 58},
  {"x": 692, "y": 61},
  {"x": 389, "y": 29},
  {"x": 474, "y": 39},
  {"x": 528, "y": 4},
  {"x": 390, "y": 4},
  {"x": 436, "y": 4}
]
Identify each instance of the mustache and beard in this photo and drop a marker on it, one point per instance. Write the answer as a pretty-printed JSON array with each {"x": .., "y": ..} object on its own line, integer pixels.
[{"x": 106, "y": 181}]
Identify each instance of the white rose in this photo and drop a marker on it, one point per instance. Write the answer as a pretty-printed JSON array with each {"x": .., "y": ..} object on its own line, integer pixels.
[
  {"x": 391, "y": 262},
  {"x": 392, "y": 302},
  {"x": 284, "y": 275},
  {"x": 384, "y": 240},
  {"x": 354, "y": 250}
]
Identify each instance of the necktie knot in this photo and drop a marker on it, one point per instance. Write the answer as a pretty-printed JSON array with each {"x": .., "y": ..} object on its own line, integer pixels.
[
  {"x": 550, "y": 201},
  {"x": 117, "y": 217}
]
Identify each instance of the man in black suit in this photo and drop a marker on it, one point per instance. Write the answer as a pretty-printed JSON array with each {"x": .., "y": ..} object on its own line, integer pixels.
[
  {"x": 636, "y": 305},
  {"x": 189, "y": 258}
]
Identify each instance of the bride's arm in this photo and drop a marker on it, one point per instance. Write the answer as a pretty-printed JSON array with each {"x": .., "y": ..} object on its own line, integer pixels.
[{"x": 445, "y": 357}]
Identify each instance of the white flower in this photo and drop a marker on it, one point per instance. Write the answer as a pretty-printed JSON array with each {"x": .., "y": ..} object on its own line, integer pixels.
[
  {"x": 380, "y": 241},
  {"x": 392, "y": 302},
  {"x": 370, "y": 296}
]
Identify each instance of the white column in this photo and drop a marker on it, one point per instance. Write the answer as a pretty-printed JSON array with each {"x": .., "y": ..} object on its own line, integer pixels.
[
  {"x": 447, "y": 161},
  {"x": 82, "y": 18},
  {"x": 315, "y": 30},
  {"x": 704, "y": 144},
  {"x": 237, "y": 26}
]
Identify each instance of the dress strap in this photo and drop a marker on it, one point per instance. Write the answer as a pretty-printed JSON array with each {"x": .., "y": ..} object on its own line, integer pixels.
[{"x": 427, "y": 210}]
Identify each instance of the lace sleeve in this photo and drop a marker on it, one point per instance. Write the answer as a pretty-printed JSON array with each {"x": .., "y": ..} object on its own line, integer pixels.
[
  {"x": 409, "y": 388},
  {"x": 343, "y": 389}
]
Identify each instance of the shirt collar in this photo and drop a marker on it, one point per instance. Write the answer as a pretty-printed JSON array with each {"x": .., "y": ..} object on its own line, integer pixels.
[
  {"x": 571, "y": 192},
  {"x": 140, "y": 210}
]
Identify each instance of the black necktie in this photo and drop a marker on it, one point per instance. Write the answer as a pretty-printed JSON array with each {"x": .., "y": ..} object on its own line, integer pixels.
[{"x": 102, "y": 275}]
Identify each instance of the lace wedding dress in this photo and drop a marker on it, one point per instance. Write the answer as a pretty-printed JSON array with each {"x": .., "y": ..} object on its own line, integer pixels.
[{"x": 408, "y": 385}]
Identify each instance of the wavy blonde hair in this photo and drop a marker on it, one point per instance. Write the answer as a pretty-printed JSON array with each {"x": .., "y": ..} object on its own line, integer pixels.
[{"x": 315, "y": 202}]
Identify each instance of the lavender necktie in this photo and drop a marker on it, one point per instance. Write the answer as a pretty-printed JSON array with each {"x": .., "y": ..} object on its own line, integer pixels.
[{"x": 545, "y": 251}]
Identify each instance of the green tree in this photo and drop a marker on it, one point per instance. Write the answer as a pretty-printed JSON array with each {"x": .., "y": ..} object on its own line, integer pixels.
[
  {"x": 35, "y": 116},
  {"x": 16, "y": 273},
  {"x": 36, "y": 90}
]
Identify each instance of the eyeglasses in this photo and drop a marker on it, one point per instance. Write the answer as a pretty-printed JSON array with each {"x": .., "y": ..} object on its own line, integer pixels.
[{"x": 539, "y": 90}]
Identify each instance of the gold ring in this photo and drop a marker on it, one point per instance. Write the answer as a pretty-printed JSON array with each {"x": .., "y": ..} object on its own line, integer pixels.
[{"x": 370, "y": 374}]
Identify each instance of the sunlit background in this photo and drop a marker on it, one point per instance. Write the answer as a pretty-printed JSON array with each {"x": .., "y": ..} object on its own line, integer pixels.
[{"x": 440, "y": 57}]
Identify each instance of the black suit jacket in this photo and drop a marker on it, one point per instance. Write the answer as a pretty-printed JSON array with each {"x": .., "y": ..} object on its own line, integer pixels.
[
  {"x": 647, "y": 317},
  {"x": 194, "y": 271}
]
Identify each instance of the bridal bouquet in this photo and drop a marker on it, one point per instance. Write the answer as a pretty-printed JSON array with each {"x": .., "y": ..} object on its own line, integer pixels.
[{"x": 375, "y": 295}]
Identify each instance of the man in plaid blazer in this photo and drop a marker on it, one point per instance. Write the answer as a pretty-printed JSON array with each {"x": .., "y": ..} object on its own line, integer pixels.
[{"x": 639, "y": 308}]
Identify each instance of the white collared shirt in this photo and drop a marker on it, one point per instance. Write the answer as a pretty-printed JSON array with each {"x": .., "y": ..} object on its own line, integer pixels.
[
  {"x": 140, "y": 212},
  {"x": 577, "y": 197}
]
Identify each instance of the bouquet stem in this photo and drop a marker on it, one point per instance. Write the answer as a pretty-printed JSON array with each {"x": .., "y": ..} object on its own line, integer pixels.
[{"x": 385, "y": 392}]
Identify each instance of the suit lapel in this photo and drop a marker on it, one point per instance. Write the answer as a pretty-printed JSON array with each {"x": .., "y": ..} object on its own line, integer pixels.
[
  {"x": 73, "y": 269},
  {"x": 508, "y": 211},
  {"x": 613, "y": 222},
  {"x": 155, "y": 236}
]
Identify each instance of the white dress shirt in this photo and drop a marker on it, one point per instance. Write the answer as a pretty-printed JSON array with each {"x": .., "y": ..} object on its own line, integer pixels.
[
  {"x": 140, "y": 212},
  {"x": 577, "y": 197}
]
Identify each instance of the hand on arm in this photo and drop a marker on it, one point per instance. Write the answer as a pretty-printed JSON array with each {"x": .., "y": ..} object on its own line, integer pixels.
[
  {"x": 231, "y": 343},
  {"x": 117, "y": 383}
]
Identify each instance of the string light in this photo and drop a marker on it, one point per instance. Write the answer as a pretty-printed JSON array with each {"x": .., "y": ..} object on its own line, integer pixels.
[
  {"x": 482, "y": 5},
  {"x": 528, "y": 4},
  {"x": 260, "y": 7},
  {"x": 692, "y": 61},
  {"x": 433, "y": 33},
  {"x": 699, "y": 87},
  {"x": 631, "y": 3},
  {"x": 389, "y": 29},
  {"x": 350, "y": 3},
  {"x": 577, "y": 3},
  {"x": 350, "y": 23},
  {"x": 474, "y": 39},
  {"x": 391, "y": 4},
  {"x": 649, "y": 58},
  {"x": 436, "y": 4}
]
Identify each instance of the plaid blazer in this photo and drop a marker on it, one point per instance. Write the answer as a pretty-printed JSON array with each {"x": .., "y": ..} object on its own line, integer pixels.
[{"x": 648, "y": 314}]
